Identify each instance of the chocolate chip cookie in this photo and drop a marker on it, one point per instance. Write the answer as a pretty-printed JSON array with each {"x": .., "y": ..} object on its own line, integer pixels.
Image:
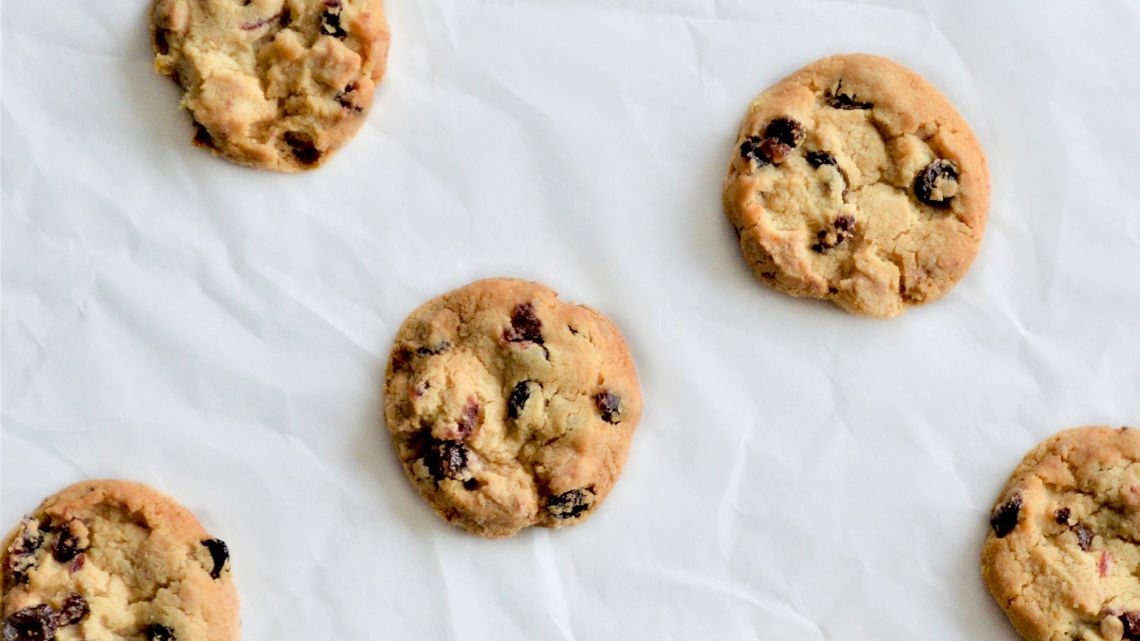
[
  {"x": 1063, "y": 550},
  {"x": 116, "y": 560},
  {"x": 509, "y": 407},
  {"x": 273, "y": 84},
  {"x": 854, "y": 180}
]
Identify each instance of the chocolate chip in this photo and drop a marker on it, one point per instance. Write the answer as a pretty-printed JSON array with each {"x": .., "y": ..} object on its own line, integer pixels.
[
  {"x": 158, "y": 632},
  {"x": 303, "y": 148},
  {"x": 202, "y": 136},
  {"x": 330, "y": 20},
  {"x": 220, "y": 553},
  {"x": 1084, "y": 536},
  {"x": 826, "y": 239},
  {"x": 1131, "y": 622},
  {"x": 517, "y": 400},
  {"x": 72, "y": 610},
  {"x": 1004, "y": 518},
  {"x": 66, "y": 545},
  {"x": 609, "y": 406},
  {"x": 22, "y": 552},
  {"x": 525, "y": 325},
  {"x": 569, "y": 505},
  {"x": 1061, "y": 516},
  {"x": 818, "y": 159},
  {"x": 344, "y": 99},
  {"x": 750, "y": 150},
  {"x": 839, "y": 100},
  {"x": 447, "y": 460},
  {"x": 33, "y": 623},
  {"x": 434, "y": 350},
  {"x": 937, "y": 184}
]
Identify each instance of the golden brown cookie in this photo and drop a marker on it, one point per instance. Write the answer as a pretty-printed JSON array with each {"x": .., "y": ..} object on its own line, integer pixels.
[
  {"x": 854, "y": 180},
  {"x": 1063, "y": 551},
  {"x": 273, "y": 84},
  {"x": 509, "y": 407},
  {"x": 105, "y": 560}
]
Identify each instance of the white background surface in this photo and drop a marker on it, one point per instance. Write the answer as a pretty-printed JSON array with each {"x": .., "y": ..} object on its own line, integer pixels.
[{"x": 799, "y": 473}]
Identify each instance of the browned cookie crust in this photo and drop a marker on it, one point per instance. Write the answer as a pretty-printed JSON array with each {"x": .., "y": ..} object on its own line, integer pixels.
[
  {"x": 854, "y": 180},
  {"x": 274, "y": 84},
  {"x": 1063, "y": 552},
  {"x": 113, "y": 560},
  {"x": 510, "y": 408}
]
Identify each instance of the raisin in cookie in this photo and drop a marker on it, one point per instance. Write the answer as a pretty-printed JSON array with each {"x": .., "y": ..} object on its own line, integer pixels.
[
  {"x": 274, "y": 84},
  {"x": 854, "y": 180},
  {"x": 1063, "y": 552},
  {"x": 105, "y": 560},
  {"x": 509, "y": 407}
]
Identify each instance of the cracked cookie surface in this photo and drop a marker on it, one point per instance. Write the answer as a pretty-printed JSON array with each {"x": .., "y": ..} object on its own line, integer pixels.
[
  {"x": 111, "y": 560},
  {"x": 854, "y": 180},
  {"x": 273, "y": 84},
  {"x": 1062, "y": 557},
  {"x": 509, "y": 407}
]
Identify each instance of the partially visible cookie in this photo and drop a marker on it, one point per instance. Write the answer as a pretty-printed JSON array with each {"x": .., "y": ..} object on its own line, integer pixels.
[
  {"x": 105, "y": 560},
  {"x": 273, "y": 84},
  {"x": 509, "y": 407},
  {"x": 1063, "y": 551},
  {"x": 854, "y": 180}
]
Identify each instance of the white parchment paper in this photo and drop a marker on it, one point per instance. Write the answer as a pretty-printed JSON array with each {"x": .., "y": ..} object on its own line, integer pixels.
[{"x": 799, "y": 473}]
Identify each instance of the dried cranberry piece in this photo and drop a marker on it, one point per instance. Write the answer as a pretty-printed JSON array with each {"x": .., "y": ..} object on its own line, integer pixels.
[
  {"x": 259, "y": 22},
  {"x": 570, "y": 505},
  {"x": 750, "y": 149},
  {"x": 330, "y": 20},
  {"x": 158, "y": 632},
  {"x": 33, "y": 623},
  {"x": 219, "y": 553},
  {"x": 22, "y": 551},
  {"x": 942, "y": 175},
  {"x": 781, "y": 136},
  {"x": 786, "y": 131},
  {"x": 1061, "y": 516},
  {"x": 434, "y": 350},
  {"x": 469, "y": 420},
  {"x": 518, "y": 398},
  {"x": 1084, "y": 536},
  {"x": 344, "y": 99},
  {"x": 525, "y": 325},
  {"x": 609, "y": 406},
  {"x": 826, "y": 240},
  {"x": 72, "y": 610},
  {"x": 1005, "y": 517},
  {"x": 303, "y": 147},
  {"x": 818, "y": 159}
]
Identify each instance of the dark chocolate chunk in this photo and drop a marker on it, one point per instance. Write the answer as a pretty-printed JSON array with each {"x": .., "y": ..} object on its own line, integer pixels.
[
  {"x": 609, "y": 406},
  {"x": 330, "y": 20},
  {"x": 72, "y": 610},
  {"x": 525, "y": 325},
  {"x": 33, "y": 623},
  {"x": 786, "y": 131},
  {"x": 1004, "y": 519},
  {"x": 450, "y": 460},
  {"x": 158, "y": 632},
  {"x": 220, "y": 553},
  {"x": 1061, "y": 516},
  {"x": 818, "y": 159},
  {"x": 839, "y": 100},
  {"x": 1084, "y": 536},
  {"x": 569, "y": 505},
  {"x": 66, "y": 545},
  {"x": 517, "y": 400},
  {"x": 303, "y": 148},
  {"x": 941, "y": 170},
  {"x": 1131, "y": 621}
]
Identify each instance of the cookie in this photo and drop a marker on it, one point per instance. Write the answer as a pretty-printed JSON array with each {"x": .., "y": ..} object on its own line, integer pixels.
[
  {"x": 1063, "y": 550},
  {"x": 509, "y": 407},
  {"x": 105, "y": 560},
  {"x": 854, "y": 180},
  {"x": 273, "y": 84}
]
